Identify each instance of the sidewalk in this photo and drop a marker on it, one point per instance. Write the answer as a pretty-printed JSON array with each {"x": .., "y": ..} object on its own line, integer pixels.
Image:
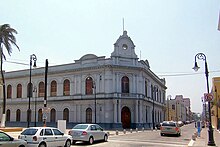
[{"x": 202, "y": 141}]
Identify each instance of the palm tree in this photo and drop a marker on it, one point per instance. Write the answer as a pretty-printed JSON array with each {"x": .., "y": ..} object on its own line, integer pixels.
[{"x": 7, "y": 39}]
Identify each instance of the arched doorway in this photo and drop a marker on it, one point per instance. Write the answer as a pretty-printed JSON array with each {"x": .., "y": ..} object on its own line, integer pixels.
[{"x": 126, "y": 117}]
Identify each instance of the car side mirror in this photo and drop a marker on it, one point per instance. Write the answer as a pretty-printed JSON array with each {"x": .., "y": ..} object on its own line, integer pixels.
[
  {"x": 12, "y": 139},
  {"x": 62, "y": 133}
]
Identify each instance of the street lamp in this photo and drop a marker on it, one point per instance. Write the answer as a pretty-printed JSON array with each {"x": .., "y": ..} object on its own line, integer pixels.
[
  {"x": 94, "y": 86},
  {"x": 168, "y": 107},
  {"x": 202, "y": 56},
  {"x": 35, "y": 106},
  {"x": 155, "y": 89},
  {"x": 34, "y": 58}
]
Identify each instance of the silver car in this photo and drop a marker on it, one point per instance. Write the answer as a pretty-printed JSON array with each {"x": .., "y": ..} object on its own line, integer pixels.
[
  {"x": 45, "y": 137},
  {"x": 88, "y": 133},
  {"x": 170, "y": 127},
  {"x": 8, "y": 141}
]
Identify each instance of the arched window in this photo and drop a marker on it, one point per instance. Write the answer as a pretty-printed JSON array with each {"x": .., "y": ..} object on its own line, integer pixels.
[
  {"x": 9, "y": 91},
  {"x": 53, "y": 88},
  {"x": 40, "y": 115},
  {"x": 18, "y": 115},
  {"x": 52, "y": 115},
  {"x": 66, "y": 87},
  {"x": 66, "y": 114},
  {"x": 8, "y": 115},
  {"x": 41, "y": 89},
  {"x": 125, "y": 84},
  {"x": 89, "y": 85},
  {"x": 88, "y": 115},
  {"x": 19, "y": 91}
]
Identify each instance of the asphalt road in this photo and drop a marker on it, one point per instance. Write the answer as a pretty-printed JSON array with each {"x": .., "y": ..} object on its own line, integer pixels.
[{"x": 147, "y": 139}]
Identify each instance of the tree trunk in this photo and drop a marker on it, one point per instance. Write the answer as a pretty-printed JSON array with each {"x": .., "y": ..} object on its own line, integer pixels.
[{"x": 4, "y": 94}]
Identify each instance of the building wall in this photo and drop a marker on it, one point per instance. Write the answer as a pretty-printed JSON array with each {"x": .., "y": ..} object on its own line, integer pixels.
[
  {"x": 215, "y": 104},
  {"x": 146, "y": 90}
]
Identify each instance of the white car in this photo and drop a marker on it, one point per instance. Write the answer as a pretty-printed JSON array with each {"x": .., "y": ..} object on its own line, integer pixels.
[
  {"x": 88, "y": 133},
  {"x": 45, "y": 137},
  {"x": 170, "y": 127},
  {"x": 8, "y": 141}
]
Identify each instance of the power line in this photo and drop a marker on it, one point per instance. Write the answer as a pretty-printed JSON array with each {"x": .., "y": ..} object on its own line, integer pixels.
[{"x": 185, "y": 74}]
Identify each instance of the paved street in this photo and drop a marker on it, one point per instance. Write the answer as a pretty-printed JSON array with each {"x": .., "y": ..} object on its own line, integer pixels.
[{"x": 148, "y": 138}]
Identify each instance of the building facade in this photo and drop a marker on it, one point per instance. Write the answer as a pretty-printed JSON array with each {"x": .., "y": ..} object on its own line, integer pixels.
[
  {"x": 178, "y": 109},
  {"x": 116, "y": 92},
  {"x": 215, "y": 103}
]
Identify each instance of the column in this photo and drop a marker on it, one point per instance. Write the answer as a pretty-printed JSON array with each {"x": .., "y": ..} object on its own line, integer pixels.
[
  {"x": 119, "y": 111},
  {"x": 136, "y": 111},
  {"x": 115, "y": 111}
]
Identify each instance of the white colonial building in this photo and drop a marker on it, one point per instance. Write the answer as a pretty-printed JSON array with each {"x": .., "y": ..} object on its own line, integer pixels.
[{"x": 116, "y": 92}]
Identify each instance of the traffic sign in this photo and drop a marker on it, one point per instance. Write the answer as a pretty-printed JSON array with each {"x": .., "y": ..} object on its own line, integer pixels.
[{"x": 208, "y": 97}]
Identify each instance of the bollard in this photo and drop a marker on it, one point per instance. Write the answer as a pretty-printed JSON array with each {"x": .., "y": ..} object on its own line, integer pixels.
[
  {"x": 124, "y": 131},
  {"x": 136, "y": 129},
  {"x": 130, "y": 130},
  {"x": 143, "y": 129},
  {"x": 116, "y": 132},
  {"x": 193, "y": 137},
  {"x": 196, "y": 134}
]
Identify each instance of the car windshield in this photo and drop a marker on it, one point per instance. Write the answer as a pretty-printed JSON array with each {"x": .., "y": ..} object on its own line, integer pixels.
[
  {"x": 80, "y": 127},
  {"x": 29, "y": 132},
  {"x": 172, "y": 124}
]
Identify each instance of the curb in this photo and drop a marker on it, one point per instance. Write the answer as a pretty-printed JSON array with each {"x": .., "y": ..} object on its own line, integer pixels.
[{"x": 11, "y": 129}]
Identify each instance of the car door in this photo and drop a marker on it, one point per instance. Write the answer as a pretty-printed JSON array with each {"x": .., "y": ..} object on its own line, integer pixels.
[
  {"x": 100, "y": 133},
  {"x": 93, "y": 132},
  {"x": 6, "y": 141},
  {"x": 49, "y": 138},
  {"x": 59, "y": 137}
]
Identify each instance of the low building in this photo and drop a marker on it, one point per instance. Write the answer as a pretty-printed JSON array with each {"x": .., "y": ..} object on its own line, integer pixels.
[{"x": 116, "y": 92}]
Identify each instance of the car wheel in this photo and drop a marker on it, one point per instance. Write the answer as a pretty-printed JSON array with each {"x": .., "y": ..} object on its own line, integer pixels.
[
  {"x": 74, "y": 142},
  {"x": 105, "y": 138},
  {"x": 161, "y": 134},
  {"x": 42, "y": 145},
  {"x": 68, "y": 143},
  {"x": 91, "y": 140}
]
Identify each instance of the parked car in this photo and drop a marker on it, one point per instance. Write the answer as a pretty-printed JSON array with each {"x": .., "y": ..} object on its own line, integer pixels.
[
  {"x": 45, "y": 137},
  {"x": 170, "y": 127},
  {"x": 180, "y": 123},
  {"x": 158, "y": 126},
  {"x": 8, "y": 141},
  {"x": 88, "y": 133}
]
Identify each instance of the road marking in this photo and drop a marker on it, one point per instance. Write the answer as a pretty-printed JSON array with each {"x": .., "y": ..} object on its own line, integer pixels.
[
  {"x": 191, "y": 143},
  {"x": 164, "y": 143}
]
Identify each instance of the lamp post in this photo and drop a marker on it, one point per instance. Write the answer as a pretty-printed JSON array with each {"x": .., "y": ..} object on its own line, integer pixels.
[
  {"x": 154, "y": 97},
  {"x": 168, "y": 107},
  {"x": 35, "y": 106},
  {"x": 34, "y": 58},
  {"x": 202, "y": 56},
  {"x": 94, "y": 86}
]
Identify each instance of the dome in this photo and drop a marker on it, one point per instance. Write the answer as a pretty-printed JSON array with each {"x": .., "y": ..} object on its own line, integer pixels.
[{"x": 88, "y": 56}]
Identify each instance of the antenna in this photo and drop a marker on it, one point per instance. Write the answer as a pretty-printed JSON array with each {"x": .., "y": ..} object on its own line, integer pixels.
[
  {"x": 123, "y": 24},
  {"x": 140, "y": 54}
]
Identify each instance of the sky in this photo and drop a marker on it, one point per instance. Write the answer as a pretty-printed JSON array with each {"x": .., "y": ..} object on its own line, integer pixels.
[{"x": 167, "y": 33}]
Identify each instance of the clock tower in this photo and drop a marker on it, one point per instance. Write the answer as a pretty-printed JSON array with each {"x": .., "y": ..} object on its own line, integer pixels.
[{"x": 124, "y": 51}]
